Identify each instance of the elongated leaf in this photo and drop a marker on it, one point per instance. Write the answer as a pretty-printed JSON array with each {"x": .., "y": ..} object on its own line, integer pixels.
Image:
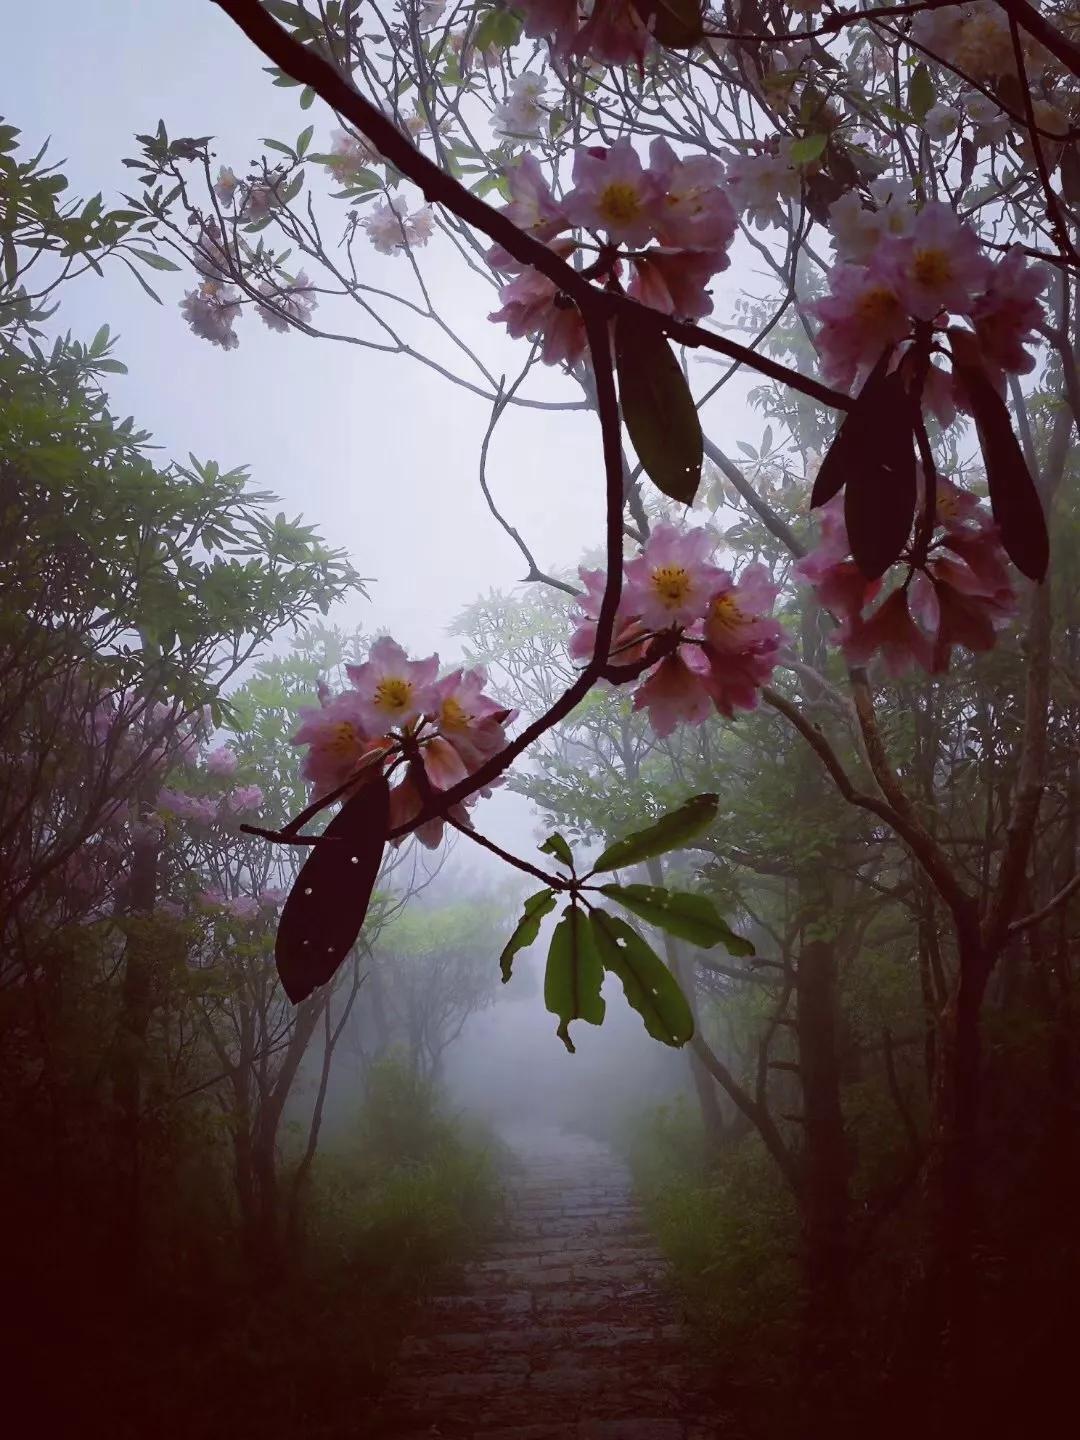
[
  {"x": 528, "y": 927},
  {"x": 670, "y": 832},
  {"x": 675, "y": 24},
  {"x": 873, "y": 456},
  {"x": 1013, "y": 496},
  {"x": 690, "y": 917},
  {"x": 557, "y": 846},
  {"x": 880, "y": 498},
  {"x": 658, "y": 410},
  {"x": 921, "y": 92},
  {"x": 327, "y": 904},
  {"x": 574, "y": 975},
  {"x": 649, "y": 986},
  {"x": 807, "y": 149}
]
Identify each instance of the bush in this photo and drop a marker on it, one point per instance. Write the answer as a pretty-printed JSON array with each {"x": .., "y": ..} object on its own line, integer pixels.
[{"x": 731, "y": 1234}]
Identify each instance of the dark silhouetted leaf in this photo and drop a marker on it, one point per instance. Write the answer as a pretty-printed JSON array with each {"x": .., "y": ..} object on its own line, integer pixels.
[
  {"x": 574, "y": 975},
  {"x": 873, "y": 455},
  {"x": 658, "y": 410},
  {"x": 528, "y": 927},
  {"x": 690, "y": 917},
  {"x": 1013, "y": 496},
  {"x": 880, "y": 497},
  {"x": 327, "y": 904},
  {"x": 648, "y": 984},
  {"x": 676, "y": 24},
  {"x": 668, "y": 833},
  {"x": 557, "y": 846}
]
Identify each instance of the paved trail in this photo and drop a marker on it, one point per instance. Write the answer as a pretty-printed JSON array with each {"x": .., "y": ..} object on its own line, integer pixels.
[{"x": 562, "y": 1330}]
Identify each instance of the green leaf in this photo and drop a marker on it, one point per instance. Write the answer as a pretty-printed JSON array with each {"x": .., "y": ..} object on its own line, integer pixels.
[
  {"x": 499, "y": 29},
  {"x": 153, "y": 259},
  {"x": 921, "y": 93},
  {"x": 100, "y": 342},
  {"x": 279, "y": 146},
  {"x": 658, "y": 409},
  {"x": 307, "y": 98},
  {"x": 304, "y": 140},
  {"x": 807, "y": 149},
  {"x": 528, "y": 927},
  {"x": 574, "y": 975},
  {"x": 649, "y": 986},
  {"x": 557, "y": 846},
  {"x": 670, "y": 832},
  {"x": 690, "y": 917}
]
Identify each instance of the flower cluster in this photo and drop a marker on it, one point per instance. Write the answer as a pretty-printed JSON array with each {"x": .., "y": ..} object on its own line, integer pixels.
[
  {"x": 956, "y": 590},
  {"x": 398, "y": 712},
  {"x": 521, "y": 116},
  {"x": 242, "y": 907},
  {"x": 609, "y": 31},
  {"x": 718, "y": 639},
  {"x": 923, "y": 268},
  {"x": 974, "y": 39},
  {"x": 671, "y": 220},
  {"x": 390, "y": 227}
]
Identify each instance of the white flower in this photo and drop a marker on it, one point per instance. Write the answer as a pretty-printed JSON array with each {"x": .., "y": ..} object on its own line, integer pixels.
[
  {"x": 226, "y": 185},
  {"x": 349, "y": 155},
  {"x": 521, "y": 116},
  {"x": 941, "y": 121},
  {"x": 293, "y": 303},
  {"x": 429, "y": 13},
  {"x": 259, "y": 199},
  {"x": 211, "y": 311},
  {"x": 759, "y": 182},
  {"x": 390, "y": 227},
  {"x": 990, "y": 122}
]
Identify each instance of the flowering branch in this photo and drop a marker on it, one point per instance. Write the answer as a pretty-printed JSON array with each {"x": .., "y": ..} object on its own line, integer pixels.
[{"x": 438, "y": 187}]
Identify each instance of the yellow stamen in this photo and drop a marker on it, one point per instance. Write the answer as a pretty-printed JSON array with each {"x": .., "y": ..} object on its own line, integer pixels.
[
  {"x": 393, "y": 695},
  {"x": 672, "y": 585},
  {"x": 619, "y": 202},
  {"x": 932, "y": 267}
]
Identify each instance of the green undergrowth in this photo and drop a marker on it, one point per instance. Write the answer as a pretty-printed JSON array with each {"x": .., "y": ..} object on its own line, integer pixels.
[{"x": 730, "y": 1234}]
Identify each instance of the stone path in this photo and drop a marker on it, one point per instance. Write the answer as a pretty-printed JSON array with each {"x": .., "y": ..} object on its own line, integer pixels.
[{"x": 563, "y": 1330}]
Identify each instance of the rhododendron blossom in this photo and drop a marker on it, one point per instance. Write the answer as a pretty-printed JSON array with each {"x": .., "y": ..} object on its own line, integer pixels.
[
  {"x": 396, "y": 708},
  {"x": 533, "y": 308},
  {"x": 611, "y": 31},
  {"x": 286, "y": 306},
  {"x": 390, "y": 227},
  {"x": 614, "y": 193},
  {"x": 211, "y": 311},
  {"x": 521, "y": 116},
  {"x": 720, "y": 639},
  {"x": 244, "y": 800},
  {"x": 958, "y": 593},
  {"x": 222, "y": 761}
]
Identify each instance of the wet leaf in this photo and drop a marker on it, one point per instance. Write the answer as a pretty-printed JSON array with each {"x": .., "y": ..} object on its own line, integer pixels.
[
  {"x": 921, "y": 93},
  {"x": 327, "y": 904},
  {"x": 528, "y": 927},
  {"x": 574, "y": 975},
  {"x": 670, "y": 832},
  {"x": 873, "y": 456},
  {"x": 649, "y": 986},
  {"x": 690, "y": 917},
  {"x": 556, "y": 845},
  {"x": 658, "y": 410},
  {"x": 1013, "y": 496}
]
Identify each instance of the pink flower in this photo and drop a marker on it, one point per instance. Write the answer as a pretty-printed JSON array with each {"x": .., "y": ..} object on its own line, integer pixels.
[
  {"x": 614, "y": 34},
  {"x": 960, "y": 608},
  {"x": 671, "y": 581},
  {"x": 349, "y": 154},
  {"x": 289, "y": 306},
  {"x": 390, "y": 227},
  {"x": 891, "y": 630},
  {"x": 674, "y": 281},
  {"x": 222, "y": 762},
  {"x": 739, "y": 616},
  {"x": 939, "y": 266},
  {"x": 860, "y": 316},
  {"x": 532, "y": 307},
  {"x": 1008, "y": 311},
  {"x": 555, "y": 19},
  {"x": 468, "y": 720},
  {"x": 734, "y": 681},
  {"x": 406, "y": 803},
  {"x": 839, "y": 584},
  {"x": 677, "y": 691},
  {"x": 225, "y": 187},
  {"x": 211, "y": 312},
  {"x": 532, "y": 208},
  {"x": 245, "y": 800},
  {"x": 393, "y": 690},
  {"x": 614, "y": 194},
  {"x": 337, "y": 739},
  {"x": 214, "y": 898},
  {"x": 628, "y": 636},
  {"x": 242, "y": 907},
  {"x": 270, "y": 899},
  {"x": 694, "y": 212}
]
